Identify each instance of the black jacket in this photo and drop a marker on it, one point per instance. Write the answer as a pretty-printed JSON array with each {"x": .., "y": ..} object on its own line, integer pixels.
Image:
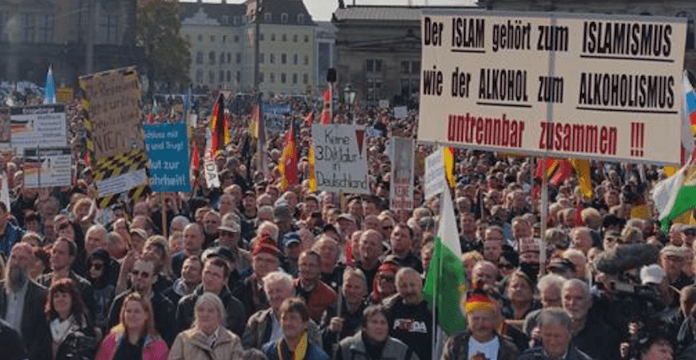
[
  {"x": 11, "y": 343},
  {"x": 35, "y": 331},
  {"x": 538, "y": 353},
  {"x": 412, "y": 324},
  {"x": 235, "y": 321},
  {"x": 352, "y": 322},
  {"x": 597, "y": 339}
]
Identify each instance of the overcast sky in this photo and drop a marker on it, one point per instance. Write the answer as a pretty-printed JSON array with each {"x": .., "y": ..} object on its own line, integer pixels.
[{"x": 321, "y": 10}]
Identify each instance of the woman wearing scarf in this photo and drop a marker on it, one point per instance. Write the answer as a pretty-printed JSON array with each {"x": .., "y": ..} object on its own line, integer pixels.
[
  {"x": 384, "y": 284},
  {"x": 71, "y": 335},
  {"x": 207, "y": 339},
  {"x": 294, "y": 318}
]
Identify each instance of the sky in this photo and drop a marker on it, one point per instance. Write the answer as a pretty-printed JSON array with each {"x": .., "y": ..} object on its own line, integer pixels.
[{"x": 321, "y": 10}]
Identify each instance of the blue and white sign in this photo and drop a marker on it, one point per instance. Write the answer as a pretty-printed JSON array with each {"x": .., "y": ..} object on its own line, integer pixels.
[
  {"x": 168, "y": 149},
  {"x": 274, "y": 115}
]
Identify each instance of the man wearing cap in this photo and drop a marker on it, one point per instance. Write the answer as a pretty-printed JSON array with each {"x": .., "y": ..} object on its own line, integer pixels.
[
  {"x": 215, "y": 274},
  {"x": 264, "y": 260},
  {"x": 346, "y": 224},
  {"x": 672, "y": 259},
  {"x": 230, "y": 237},
  {"x": 291, "y": 249},
  {"x": 562, "y": 267},
  {"x": 193, "y": 246},
  {"x": 316, "y": 294},
  {"x": 283, "y": 218},
  {"x": 480, "y": 340}
]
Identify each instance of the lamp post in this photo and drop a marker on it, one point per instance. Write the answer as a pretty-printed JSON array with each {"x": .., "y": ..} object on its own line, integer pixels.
[{"x": 349, "y": 96}]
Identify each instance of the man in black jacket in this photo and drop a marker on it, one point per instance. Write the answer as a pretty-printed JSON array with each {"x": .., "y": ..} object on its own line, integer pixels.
[
  {"x": 555, "y": 326},
  {"x": 410, "y": 320}
]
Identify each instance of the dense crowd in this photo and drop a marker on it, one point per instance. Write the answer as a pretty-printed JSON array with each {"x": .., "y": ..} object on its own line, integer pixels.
[{"x": 252, "y": 271}]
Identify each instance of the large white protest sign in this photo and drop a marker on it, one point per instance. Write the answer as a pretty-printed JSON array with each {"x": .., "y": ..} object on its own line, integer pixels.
[
  {"x": 38, "y": 126},
  {"x": 590, "y": 86},
  {"x": 341, "y": 162},
  {"x": 47, "y": 167},
  {"x": 435, "y": 182}
]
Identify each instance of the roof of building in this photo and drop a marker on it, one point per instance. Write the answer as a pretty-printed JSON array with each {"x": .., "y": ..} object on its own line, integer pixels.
[
  {"x": 216, "y": 11},
  {"x": 276, "y": 8},
  {"x": 386, "y": 12},
  {"x": 291, "y": 7}
]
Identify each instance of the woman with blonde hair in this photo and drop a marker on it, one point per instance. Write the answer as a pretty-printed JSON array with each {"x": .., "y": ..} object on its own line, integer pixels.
[
  {"x": 207, "y": 339},
  {"x": 135, "y": 336}
]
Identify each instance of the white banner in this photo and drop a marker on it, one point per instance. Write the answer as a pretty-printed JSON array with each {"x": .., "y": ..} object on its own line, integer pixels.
[
  {"x": 341, "y": 160},
  {"x": 47, "y": 167},
  {"x": 121, "y": 183},
  {"x": 435, "y": 182},
  {"x": 34, "y": 126},
  {"x": 589, "y": 86},
  {"x": 401, "y": 189}
]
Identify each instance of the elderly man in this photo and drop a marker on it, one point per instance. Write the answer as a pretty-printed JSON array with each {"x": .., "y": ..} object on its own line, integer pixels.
[
  {"x": 315, "y": 292},
  {"x": 549, "y": 287},
  {"x": 481, "y": 340},
  {"x": 410, "y": 320},
  {"x": 335, "y": 327},
  {"x": 672, "y": 259},
  {"x": 193, "y": 246},
  {"x": 484, "y": 272},
  {"x": 331, "y": 270},
  {"x": 264, "y": 325},
  {"x": 96, "y": 239},
  {"x": 231, "y": 237},
  {"x": 590, "y": 333},
  {"x": 581, "y": 239},
  {"x": 264, "y": 260},
  {"x": 556, "y": 333},
  {"x": 22, "y": 303}
]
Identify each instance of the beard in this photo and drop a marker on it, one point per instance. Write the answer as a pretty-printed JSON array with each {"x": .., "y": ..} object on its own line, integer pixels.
[{"x": 16, "y": 277}]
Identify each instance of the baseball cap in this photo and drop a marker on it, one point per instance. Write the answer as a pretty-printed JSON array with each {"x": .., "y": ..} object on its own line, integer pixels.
[
  {"x": 229, "y": 223},
  {"x": 282, "y": 213},
  {"x": 291, "y": 238}
]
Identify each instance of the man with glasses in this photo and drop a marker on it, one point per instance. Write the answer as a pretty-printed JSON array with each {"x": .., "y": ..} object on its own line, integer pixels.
[
  {"x": 672, "y": 259},
  {"x": 230, "y": 237},
  {"x": 688, "y": 235},
  {"x": 142, "y": 277}
]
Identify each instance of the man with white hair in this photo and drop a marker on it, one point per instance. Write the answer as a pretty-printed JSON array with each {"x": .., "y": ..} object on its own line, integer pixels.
[
  {"x": 555, "y": 329},
  {"x": 264, "y": 325},
  {"x": 549, "y": 287}
]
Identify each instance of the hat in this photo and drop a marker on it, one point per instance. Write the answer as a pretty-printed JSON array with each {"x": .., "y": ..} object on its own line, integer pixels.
[
  {"x": 652, "y": 274},
  {"x": 291, "y": 238},
  {"x": 672, "y": 250},
  {"x": 282, "y": 213},
  {"x": 220, "y": 251},
  {"x": 265, "y": 245},
  {"x": 138, "y": 231},
  {"x": 478, "y": 300},
  {"x": 561, "y": 264},
  {"x": 346, "y": 216},
  {"x": 229, "y": 223}
]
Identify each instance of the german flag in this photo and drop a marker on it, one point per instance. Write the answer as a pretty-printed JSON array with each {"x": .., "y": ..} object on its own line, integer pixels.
[{"x": 288, "y": 161}]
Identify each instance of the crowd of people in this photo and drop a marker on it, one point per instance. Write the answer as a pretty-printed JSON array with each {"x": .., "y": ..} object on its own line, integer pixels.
[{"x": 252, "y": 271}]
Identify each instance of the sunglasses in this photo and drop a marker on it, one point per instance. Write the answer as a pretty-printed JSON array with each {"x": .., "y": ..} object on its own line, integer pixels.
[
  {"x": 142, "y": 274},
  {"x": 387, "y": 278},
  {"x": 97, "y": 266}
]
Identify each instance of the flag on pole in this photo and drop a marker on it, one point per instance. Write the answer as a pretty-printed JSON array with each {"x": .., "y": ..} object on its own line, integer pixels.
[
  {"x": 50, "y": 88},
  {"x": 563, "y": 171},
  {"x": 326, "y": 116},
  {"x": 675, "y": 195},
  {"x": 449, "y": 165},
  {"x": 312, "y": 174},
  {"x": 551, "y": 165},
  {"x": 254, "y": 122},
  {"x": 582, "y": 168},
  {"x": 287, "y": 166},
  {"x": 195, "y": 158},
  {"x": 218, "y": 125},
  {"x": 445, "y": 284},
  {"x": 688, "y": 120}
]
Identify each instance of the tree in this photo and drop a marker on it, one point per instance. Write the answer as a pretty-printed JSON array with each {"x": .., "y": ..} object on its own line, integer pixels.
[{"x": 167, "y": 55}]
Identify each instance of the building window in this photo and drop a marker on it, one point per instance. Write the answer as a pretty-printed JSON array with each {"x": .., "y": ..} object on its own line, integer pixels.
[
  {"x": 305, "y": 78},
  {"x": 222, "y": 76},
  {"x": 283, "y": 59},
  {"x": 199, "y": 58},
  {"x": 109, "y": 29},
  {"x": 229, "y": 58},
  {"x": 45, "y": 28},
  {"x": 267, "y": 17},
  {"x": 229, "y": 76},
  {"x": 294, "y": 78},
  {"x": 415, "y": 67},
  {"x": 294, "y": 38},
  {"x": 225, "y": 19},
  {"x": 273, "y": 37},
  {"x": 211, "y": 77},
  {"x": 284, "y": 18},
  {"x": 373, "y": 65},
  {"x": 224, "y": 39},
  {"x": 200, "y": 38},
  {"x": 211, "y": 58},
  {"x": 222, "y": 58},
  {"x": 261, "y": 58},
  {"x": 282, "y": 78},
  {"x": 260, "y": 77},
  {"x": 239, "y": 76},
  {"x": 294, "y": 59},
  {"x": 272, "y": 59},
  {"x": 261, "y": 37},
  {"x": 272, "y": 78},
  {"x": 199, "y": 75},
  {"x": 306, "y": 38},
  {"x": 3, "y": 18},
  {"x": 374, "y": 89},
  {"x": 236, "y": 38},
  {"x": 239, "y": 58},
  {"x": 28, "y": 27},
  {"x": 300, "y": 19},
  {"x": 405, "y": 67},
  {"x": 285, "y": 38},
  {"x": 306, "y": 59}
]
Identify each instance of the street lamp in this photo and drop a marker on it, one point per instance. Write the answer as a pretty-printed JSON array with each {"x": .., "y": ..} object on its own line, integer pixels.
[{"x": 349, "y": 94}]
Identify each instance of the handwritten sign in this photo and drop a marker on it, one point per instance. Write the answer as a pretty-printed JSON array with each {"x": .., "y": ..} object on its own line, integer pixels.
[
  {"x": 38, "y": 126},
  {"x": 401, "y": 190},
  {"x": 167, "y": 148},
  {"x": 434, "y": 174},
  {"x": 341, "y": 162},
  {"x": 112, "y": 108}
]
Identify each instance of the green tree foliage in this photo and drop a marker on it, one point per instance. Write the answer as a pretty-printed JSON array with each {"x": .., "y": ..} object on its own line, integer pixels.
[{"x": 166, "y": 52}]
